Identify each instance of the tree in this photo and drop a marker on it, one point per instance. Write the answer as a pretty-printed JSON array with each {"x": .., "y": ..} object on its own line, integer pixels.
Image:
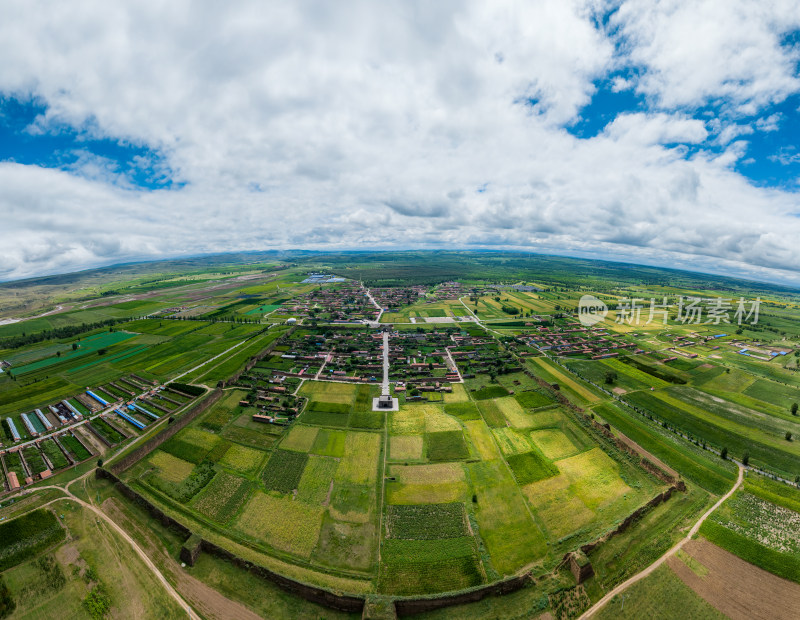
[
  {"x": 611, "y": 376},
  {"x": 74, "y": 346},
  {"x": 794, "y": 408},
  {"x": 724, "y": 453},
  {"x": 746, "y": 458},
  {"x": 99, "y": 462},
  {"x": 788, "y": 435}
]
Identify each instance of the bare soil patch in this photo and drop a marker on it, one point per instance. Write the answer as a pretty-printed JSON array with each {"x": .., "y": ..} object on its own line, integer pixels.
[
  {"x": 205, "y": 600},
  {"x": 736, "y": 588}
]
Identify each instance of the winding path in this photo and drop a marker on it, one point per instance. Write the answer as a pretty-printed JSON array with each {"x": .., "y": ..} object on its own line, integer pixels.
[
  {"x": 647, "y": 571},
  {"x": 145, "y": 558}
]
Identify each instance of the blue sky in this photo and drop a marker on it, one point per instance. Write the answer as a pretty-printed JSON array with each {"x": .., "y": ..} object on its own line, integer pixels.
[{"x": 656, "y": 132}]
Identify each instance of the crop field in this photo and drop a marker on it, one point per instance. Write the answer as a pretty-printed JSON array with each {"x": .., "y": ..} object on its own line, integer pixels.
[
  {"x": 27, "y": 535},
  {"x": 501, "y": 476},
  {"x": 696, "y": 465},
  {"x": 171, "y": 468},
  {"x": 426, "y": 521},
  {"x": 328, "y": 443},
  {"x": 420, "y": 567},
  {"x": 222, "y": 497},
  {"x": 54, "y": 454},
  {"x": 242, "y": 459},
  {"x": 655, "y": 596},
  {"x": 446, "y": 446},
  {"x": 405, "y": 447},
  {"x": 317, "y": 480},
  {"x": 724, "y": 424},
  {"x": 342, "y": 393},
  {"x": 551, "y": 373},
  {"x": 74, "y": 447},
  {"x": 530, "y": 467},
  {"x": 284, "y": 470},
  {"x": 760, "y": 524},
  {"x": 507, "y": 528},
  {"x": 359, "y": 464},
  {"x": 300, "y": 438},
  {"x": 107, "y": 431},
  {"x": 285, "y": 524}
]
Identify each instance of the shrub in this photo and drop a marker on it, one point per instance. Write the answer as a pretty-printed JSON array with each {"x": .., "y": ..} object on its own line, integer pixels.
[
  {"x": 185, "y": 388},
  {"x": 97, "y": 603},
  {"x": 7, "y": 604}
]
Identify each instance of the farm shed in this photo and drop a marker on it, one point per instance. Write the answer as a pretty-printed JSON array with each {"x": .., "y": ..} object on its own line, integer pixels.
[
  {"x": 97, "y": 398},
  {"x": 12, "y": 427},
  {"x": 128, "y": 418}
]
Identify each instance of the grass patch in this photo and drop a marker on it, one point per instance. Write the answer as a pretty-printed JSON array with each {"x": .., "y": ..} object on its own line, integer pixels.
[
  {"x": 446, "y": 446},
  {"x": 463, "y": 410},
  {"x": 532, "y": 399},
  {"x": 492, "y": 391},
  {"x": 329, "y": 443},
  {"x": 531, "y": 466}
]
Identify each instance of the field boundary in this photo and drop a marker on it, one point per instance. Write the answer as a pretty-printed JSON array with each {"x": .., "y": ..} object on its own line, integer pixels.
[{"x": 151, "y": 444}]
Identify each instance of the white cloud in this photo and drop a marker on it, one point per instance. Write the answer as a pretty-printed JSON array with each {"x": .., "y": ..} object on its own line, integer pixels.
[
  {"x": 620, "y": 84},
  {"x": 656, "y": 129},
  {"x": 373, "y": 126},
  {"x": 708, "y": 50},
  {"x": 770, "y": 123},
  {"x": 733, "y": 131}
]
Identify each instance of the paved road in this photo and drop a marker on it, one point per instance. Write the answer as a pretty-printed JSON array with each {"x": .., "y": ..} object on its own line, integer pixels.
[
  {"x": 377, "y": 320},
  {"x": 453, "y": 365},
  {"x": 647, "y": 571}
]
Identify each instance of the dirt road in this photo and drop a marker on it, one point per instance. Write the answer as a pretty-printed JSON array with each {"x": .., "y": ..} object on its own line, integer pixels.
[
  {"x": 647, "y": 571},
  {"x": 144, "y": 557}
]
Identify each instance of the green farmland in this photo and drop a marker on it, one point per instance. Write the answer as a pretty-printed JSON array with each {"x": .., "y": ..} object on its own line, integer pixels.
[{"x": 521, "y": 441}]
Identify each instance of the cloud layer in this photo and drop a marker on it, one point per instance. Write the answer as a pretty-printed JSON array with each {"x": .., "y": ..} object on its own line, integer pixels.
[{"x": 402, "y": 124}]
